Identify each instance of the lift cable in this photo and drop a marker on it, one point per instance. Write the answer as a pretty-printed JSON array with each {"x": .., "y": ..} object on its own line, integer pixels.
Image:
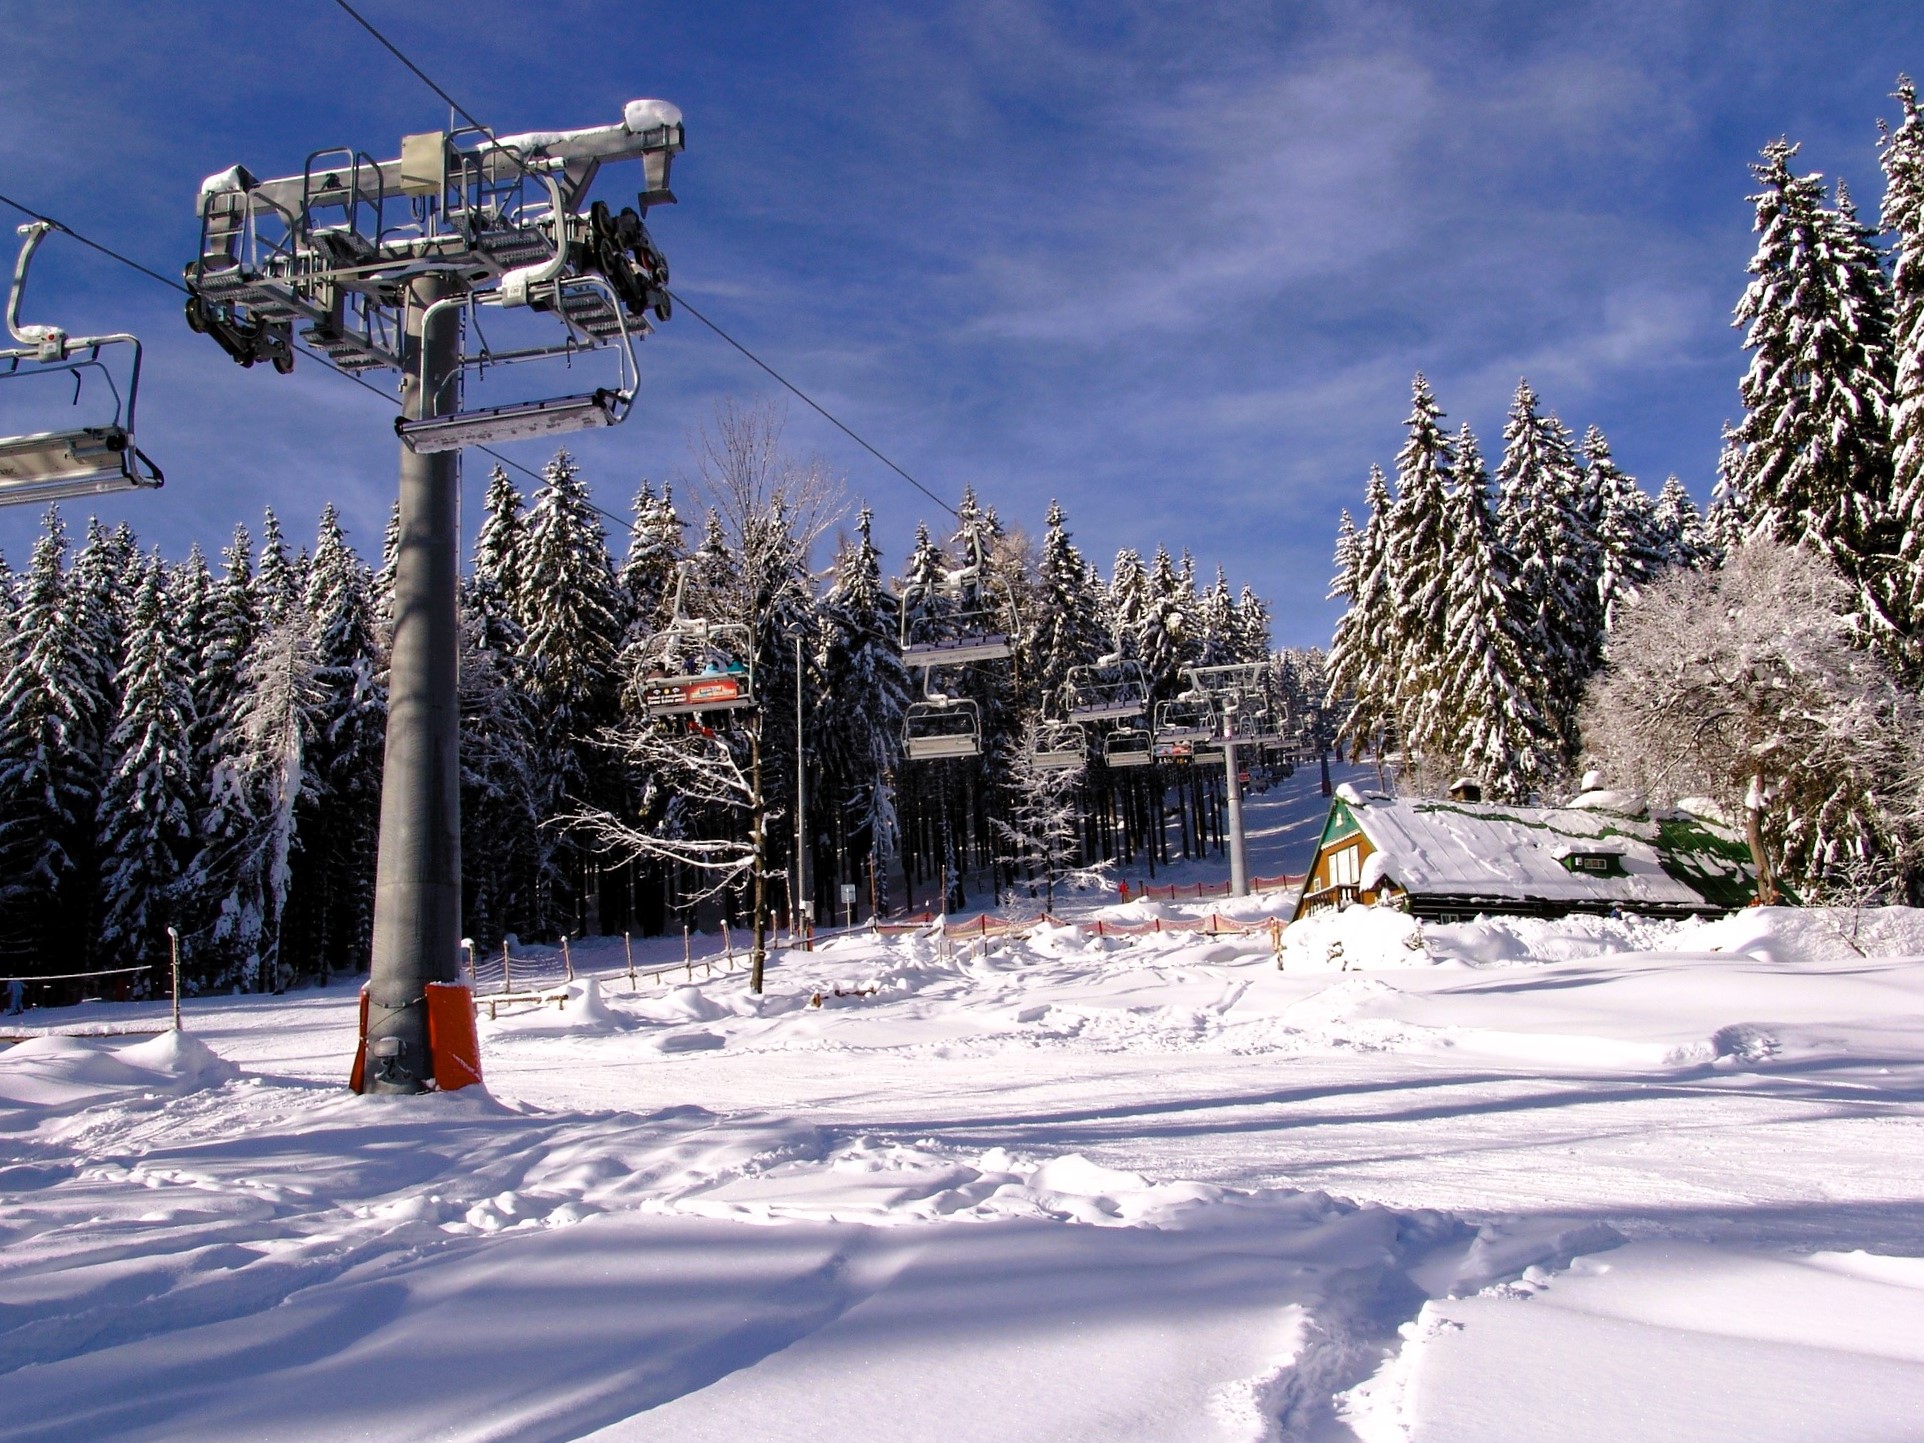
[
  {"x": 69, "y": 231},
  {"x": 797, "y": 391},
  {"x": 812, "y": 404}
]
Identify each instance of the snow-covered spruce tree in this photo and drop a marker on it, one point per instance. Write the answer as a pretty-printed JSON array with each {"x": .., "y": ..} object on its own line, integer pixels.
[
  {"x": 499, "y": 787},
  {"x": 1067, "y": 631},
  {"x": 1901, "y": 152},
  {"x": 1218, "y": 641},
  {"x": 1361, "y": 667},
  {"x": 500, "y": 546},
  {"x": 572, "y": 615},
  {"x": 1418, "y": 563},
  {"x": 1809, "y": 463},
  {"x": 866, "y": 691},
  {"x": 277, "y": 585},
  {"x": 1682, "y": 537},
  {"x": 1252, "y": 626},
  {"x": 1743, "y": 685},
  {"x": 657, "y": 546},
  {"x": 1039, "y": 834},
  {"x": 384, "y": 578},
  {"x": 1498, "y": 734},
  {"x": 1630, "y": 541},
  {"x": 1546, "y": 525},
  {"x": 275, "y": 728},
  {"x": 338, "y": 835},
  {"x": 226, "y": 924},
  {"x": 1125, "y": 600},
  {"x": 146, "y": 810},
  {"x": 47, "y": 773},
  {"x": 1163, "y": 629}
]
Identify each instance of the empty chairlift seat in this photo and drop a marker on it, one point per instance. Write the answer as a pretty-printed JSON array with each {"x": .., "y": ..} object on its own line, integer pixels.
[
  {"x": 41, "y": 466},
  {"x": 934, "y": 730}
]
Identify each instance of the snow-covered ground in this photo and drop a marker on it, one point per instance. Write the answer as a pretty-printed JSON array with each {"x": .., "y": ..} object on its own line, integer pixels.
[{"x": 1589, "y": 1180}]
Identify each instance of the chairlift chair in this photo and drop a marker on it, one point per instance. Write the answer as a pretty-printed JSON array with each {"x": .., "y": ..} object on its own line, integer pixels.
[
  {"x": 585, "y": 305},
  {"x": 1059, "y": 747},
  {"x": 1183, "y": 725},
  {"x": 963, "y": 624},
  {"x": 693, "y": 665},
  {"x": 941, "y": 727},
  {"x": 1112, "y": 689},
  {"x": 44, "y": 466},
  {"x": 1128, "y": 747}
]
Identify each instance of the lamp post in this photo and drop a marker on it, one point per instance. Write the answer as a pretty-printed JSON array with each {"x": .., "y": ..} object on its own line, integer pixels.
[{"x": 804, "y": 901}]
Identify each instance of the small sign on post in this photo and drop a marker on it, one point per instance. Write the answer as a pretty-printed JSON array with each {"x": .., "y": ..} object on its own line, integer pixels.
[{"x": 848, "y": 904}]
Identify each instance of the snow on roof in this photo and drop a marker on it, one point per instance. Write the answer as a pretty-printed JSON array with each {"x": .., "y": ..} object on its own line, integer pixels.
[{"x": 1487, "y": 850}]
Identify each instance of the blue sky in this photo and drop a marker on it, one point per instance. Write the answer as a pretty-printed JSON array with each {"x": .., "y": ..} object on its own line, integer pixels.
[{"x": 1173, "y": 265}]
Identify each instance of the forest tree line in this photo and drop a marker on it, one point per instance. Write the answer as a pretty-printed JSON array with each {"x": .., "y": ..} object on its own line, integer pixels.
[
  {"x": 1522, "y": 627},
  {"x": 199, "y": 746}
]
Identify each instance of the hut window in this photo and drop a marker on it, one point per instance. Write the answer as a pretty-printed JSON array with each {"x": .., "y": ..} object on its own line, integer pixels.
[
  {"x": 1345, "y": 866},
  {"x": 1595, "y": 864}
]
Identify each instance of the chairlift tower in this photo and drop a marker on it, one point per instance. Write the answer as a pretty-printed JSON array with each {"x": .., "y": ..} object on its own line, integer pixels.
[
  {"x": 390, "y": 265},
  {"x": 1236, "y": 692}
]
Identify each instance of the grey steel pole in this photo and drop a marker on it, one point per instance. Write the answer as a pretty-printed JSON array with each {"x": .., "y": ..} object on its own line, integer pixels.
[
  {"x": 804, "y": 899},
  {"x": 417, "y": 886},
  {"x": 1238, "y": 859},
  {"x": 173, "y": 953}
]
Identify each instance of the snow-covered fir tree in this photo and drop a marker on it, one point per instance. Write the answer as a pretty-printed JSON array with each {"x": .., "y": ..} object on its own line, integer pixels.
[
  {"x": 338, "y": 834},
  {"x": 1809, "y": 462},
  {"x": 1498, "y": 734},
  {"x": 277, "y": 583},
  {"x": 1067, "y": 631},
  {"x": 1683, "y": 537},
  {"x": 1631, "y": 546},
  {"x": 1901, "y": 153},
  {"x": 1361, "y": 666},
  {"x": 657, "y": 546},
  {"x": 146, "y": 810},
  {"x": 1125, "y": 601},
  {"x": 1545, "y": 524},
  {"x": 1417, "y": 559},
  {"x": 572, "y": 615},
  {"x": 500, "y": 546},
  {"x": 276, "y": 727},
  {"x": 866, "y": 692},
  {"x": 47, "y": 771}
]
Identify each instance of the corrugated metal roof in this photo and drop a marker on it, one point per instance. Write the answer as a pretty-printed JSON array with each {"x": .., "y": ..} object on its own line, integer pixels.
[{"x": 1489, "y": 850}]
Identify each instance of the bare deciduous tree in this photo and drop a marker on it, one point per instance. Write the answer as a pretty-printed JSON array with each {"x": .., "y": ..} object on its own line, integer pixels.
[{"x": 1745, "y": 686}]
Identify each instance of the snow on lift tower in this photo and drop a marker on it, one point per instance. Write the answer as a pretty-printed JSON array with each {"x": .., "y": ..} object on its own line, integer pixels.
[
  {"x": 959, "y": 623},
  {"x": 1112, "y": 688},
  {"x": 389, "y": 264},
  {"x": 500, "y": 221},
  {"x": 80, "y": 461},
  {"x": 693, "y": 665}
]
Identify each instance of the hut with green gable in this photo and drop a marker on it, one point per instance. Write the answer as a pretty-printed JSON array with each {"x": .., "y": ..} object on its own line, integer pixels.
[{"x": 1448, "y": 860}]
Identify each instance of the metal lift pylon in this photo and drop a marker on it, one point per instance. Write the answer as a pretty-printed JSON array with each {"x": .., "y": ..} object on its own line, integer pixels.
[
  {"x": 417, "y": 882},
  {"x": 382, "y": 261}
]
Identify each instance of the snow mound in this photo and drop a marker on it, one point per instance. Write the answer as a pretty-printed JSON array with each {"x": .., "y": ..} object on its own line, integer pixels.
[
  {"x": 1492, "y": 941},
  {"x": 60, "y": 1074},
  {"x": 575, "y": 1009},
  {"x": 1810, "y": 934},
  {"x": 1365, "y": 939}
]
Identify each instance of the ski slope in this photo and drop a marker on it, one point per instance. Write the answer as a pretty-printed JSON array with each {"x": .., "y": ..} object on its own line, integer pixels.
[{"x": 1585, "y": 1180}]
